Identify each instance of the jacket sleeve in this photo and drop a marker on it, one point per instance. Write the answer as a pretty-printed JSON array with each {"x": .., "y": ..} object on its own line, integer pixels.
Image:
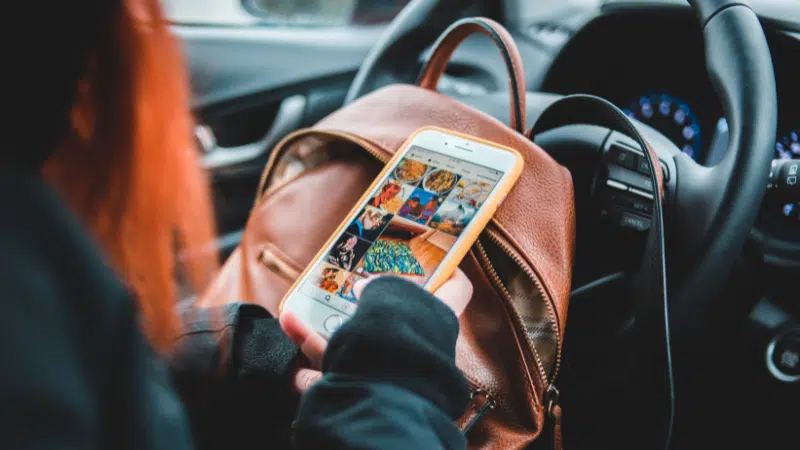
[
  {"x": 157, "y": 418},
  {"x": 390, "y": 377},
  {"x": 233, "y": 369}
]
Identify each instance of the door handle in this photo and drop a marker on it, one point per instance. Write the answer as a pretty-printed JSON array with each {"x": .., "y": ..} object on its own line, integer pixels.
[{"x": 288, "y": 118}]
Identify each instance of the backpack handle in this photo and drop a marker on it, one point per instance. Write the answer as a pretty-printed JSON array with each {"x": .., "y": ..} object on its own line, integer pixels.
[{"x": 456, "y": 34}]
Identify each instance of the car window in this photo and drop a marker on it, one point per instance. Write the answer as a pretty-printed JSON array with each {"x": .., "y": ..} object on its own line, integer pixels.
[{"x": 282, "y": 12}]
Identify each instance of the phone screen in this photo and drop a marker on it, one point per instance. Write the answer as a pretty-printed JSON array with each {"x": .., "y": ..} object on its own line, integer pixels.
[{"x": 406, "y": 228}]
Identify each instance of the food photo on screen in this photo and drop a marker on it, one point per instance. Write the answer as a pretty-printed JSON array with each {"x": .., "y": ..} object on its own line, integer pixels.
[
  {"x": 329, "y": 278},
  {"x": 391, "y": 195}
]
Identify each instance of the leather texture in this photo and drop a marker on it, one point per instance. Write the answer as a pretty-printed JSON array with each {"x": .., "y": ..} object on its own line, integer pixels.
[{"x": 521, "y": 270}]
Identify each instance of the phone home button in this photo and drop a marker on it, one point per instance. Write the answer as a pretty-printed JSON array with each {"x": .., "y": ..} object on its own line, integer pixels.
[{"x": 333, "y": 323}]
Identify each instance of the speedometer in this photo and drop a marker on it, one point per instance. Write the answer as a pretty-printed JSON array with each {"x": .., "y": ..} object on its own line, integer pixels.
[
  {"x": 788, "y": 146},
  {"x": 672, "y": 117}
]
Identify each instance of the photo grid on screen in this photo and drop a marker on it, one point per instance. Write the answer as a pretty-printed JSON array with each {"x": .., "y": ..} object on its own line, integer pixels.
[{"x": 410, "y": 223}]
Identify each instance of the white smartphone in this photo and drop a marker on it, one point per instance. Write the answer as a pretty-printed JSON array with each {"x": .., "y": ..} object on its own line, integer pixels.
[{"x": 417, "y": 221}]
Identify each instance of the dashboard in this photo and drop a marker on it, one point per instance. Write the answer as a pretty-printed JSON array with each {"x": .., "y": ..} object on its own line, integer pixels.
[{"x": 652, "y": 66}]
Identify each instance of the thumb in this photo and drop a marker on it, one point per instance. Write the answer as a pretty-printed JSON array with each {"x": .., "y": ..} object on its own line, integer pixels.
[
  {"x": 311, "y": 344},
  {"x": 456, "y": 292}
]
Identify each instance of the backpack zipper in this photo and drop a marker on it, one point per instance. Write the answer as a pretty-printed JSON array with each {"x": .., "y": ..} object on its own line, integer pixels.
[
  {"x": 277, "y": 265},
  {"x": 550, "y": 398},
  {"x": 554, "y": 417},
  {"x": 516, "y": 318},
  {"x": 481, "y": 410},
  {"x": 495, "y": 237},
  {"x": 376, "y": 151}
]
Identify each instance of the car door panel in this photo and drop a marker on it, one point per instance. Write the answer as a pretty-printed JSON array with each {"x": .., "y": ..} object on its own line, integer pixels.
[
  {"x": 254, "y": 85},
  {"x": 229, "y": 63}
]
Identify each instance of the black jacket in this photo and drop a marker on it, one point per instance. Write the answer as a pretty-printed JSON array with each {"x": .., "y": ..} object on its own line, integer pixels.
[
  {"x": 78, "y": 373},
  {"x": 233, "y": 369}
]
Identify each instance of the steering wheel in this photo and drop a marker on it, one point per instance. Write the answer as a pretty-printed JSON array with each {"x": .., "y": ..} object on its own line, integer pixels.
[{"x": 709, "y": 210}]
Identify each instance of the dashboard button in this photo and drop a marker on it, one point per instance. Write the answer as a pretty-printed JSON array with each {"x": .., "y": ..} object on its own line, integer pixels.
[
  {"x": 333, "y": 323},
  {"x": 641, "y": 193},
  {"x": 617, "y": 185},
  {"x": 629, "y": 178},
  {"x": 622, "y": 157},
  {"x": 642, "y": 166},
  {"x": 783, "y": 356},
  {"x": 640, "y": 205},
  {"x": 633, "y": 203},
  {"x": 785, "y": 176},
  {"x": 635, "y": 222}
]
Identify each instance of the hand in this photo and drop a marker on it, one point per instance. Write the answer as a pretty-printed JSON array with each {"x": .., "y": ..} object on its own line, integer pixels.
[
  {"x": 311, "y": 344},
  {"x": 456, "y": 292}
]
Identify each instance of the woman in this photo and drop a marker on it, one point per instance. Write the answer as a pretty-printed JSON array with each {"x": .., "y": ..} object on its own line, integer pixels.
[
  {"x": 112, "y": 142},
  {"x": 412, "y": 209},
  {"x": 430, "y": 209}
]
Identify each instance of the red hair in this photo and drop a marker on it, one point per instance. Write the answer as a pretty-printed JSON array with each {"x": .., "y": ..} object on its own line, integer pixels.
[{"x": 130, "y": 168}]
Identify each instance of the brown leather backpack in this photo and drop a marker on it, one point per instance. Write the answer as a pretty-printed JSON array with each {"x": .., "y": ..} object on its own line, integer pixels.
[{"x": 509, "y": 347}]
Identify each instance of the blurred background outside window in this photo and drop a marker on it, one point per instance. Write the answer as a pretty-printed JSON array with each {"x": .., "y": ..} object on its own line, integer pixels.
[{"x": 314, "y": 13}]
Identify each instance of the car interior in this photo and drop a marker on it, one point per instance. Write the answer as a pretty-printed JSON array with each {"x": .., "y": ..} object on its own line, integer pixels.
[{"x": 706, "y": 94}]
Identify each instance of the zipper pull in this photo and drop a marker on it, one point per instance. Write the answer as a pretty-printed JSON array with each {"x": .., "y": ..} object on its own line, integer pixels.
[
  {"x": 554, "y": 417},
  {"x": 278, "y": 266},
  {"x": 487, "y": 405}
]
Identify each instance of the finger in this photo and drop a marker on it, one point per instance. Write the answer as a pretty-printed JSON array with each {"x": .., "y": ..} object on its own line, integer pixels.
[
  {"x": 305, "y": 378},
  {"x": 314, "y": 349},
  {"x": 456, "y": 292},
  {"x": 311, "y": 344},
  {"x": 294, "y": 328}
]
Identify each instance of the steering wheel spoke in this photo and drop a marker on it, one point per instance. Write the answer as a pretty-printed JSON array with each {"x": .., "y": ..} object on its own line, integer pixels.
[{"x": 716, "y": 207}]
